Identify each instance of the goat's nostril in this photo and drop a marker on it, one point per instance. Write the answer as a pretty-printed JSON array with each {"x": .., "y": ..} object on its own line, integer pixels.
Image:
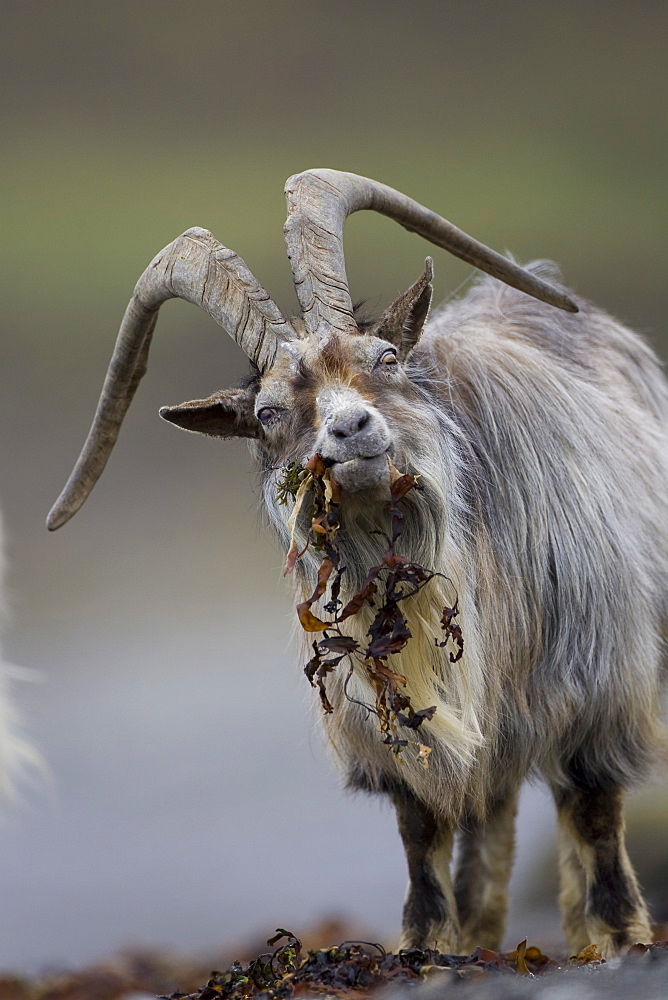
[{"x": 348, "y": 424}]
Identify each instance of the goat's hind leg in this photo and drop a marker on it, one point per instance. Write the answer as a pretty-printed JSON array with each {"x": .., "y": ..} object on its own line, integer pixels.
[
  {"x": 601, "y": 902},
  {"x": 486, "y": 852},
  {"x": 430, "y": 913}
]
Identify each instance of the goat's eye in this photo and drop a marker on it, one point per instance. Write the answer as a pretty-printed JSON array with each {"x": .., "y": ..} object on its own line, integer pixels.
[
  {"x": 388, "y": 358},
  {"x": 267, "y": 414}
]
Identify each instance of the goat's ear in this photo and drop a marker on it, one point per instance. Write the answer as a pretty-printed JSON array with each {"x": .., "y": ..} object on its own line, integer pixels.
[
  {"x": 402, "y": 322},
  {"x": 229, "y": 413}
]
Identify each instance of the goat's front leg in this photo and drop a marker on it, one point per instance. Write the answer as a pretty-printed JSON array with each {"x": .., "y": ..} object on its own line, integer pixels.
[
  {"x": 481, "y": 883},
  {"x": 430, "y": 913}
]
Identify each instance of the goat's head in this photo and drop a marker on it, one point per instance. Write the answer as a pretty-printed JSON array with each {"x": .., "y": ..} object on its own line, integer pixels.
[
  {"x": 333, "y": 394},
  {"x": 319, "y": 378}
]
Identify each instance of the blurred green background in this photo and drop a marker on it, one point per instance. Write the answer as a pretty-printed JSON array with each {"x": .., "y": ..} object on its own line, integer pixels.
[{"x": 189, "y": 801}]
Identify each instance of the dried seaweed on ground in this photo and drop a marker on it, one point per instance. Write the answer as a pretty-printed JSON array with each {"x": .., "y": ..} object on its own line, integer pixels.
[
  {"x": 356, "y": 970},
  {"x": 359, "y": 968},
  {"x": 386, "y": 586}
]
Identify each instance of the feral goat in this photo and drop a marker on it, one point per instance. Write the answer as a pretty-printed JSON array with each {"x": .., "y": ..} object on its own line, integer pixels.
[{"x": 538, "y": 428}]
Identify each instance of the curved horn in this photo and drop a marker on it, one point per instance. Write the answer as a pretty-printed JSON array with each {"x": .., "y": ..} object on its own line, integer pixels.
[
  {"x": 199, "y": 269},
  {"x": 320, "y": 201}
]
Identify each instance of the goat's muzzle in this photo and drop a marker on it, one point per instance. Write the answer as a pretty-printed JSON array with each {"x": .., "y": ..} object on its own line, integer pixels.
[{"x": 354, "y": 438}]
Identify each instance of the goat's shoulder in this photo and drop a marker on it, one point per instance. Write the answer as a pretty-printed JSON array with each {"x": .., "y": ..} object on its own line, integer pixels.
[{"x": 496, "y": 330}]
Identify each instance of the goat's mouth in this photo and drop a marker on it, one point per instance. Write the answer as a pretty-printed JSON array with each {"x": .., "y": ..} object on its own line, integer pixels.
[{"x": 362, "y": 472}]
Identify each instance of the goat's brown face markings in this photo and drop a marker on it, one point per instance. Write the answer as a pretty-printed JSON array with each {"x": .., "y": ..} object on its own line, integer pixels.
[{"x": 332, "y": 398}]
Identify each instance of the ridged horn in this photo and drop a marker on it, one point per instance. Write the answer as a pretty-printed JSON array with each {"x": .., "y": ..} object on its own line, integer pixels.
[
  {"x": 319, "y": 202},
  {"x": 199, "y": 269}
]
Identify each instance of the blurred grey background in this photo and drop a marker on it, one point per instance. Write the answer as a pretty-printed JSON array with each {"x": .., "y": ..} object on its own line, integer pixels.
[{"x": 191, "y": 803}]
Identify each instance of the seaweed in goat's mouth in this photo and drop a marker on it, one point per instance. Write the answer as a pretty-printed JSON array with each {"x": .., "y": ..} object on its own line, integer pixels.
[{"x": 386, "y": 586}]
